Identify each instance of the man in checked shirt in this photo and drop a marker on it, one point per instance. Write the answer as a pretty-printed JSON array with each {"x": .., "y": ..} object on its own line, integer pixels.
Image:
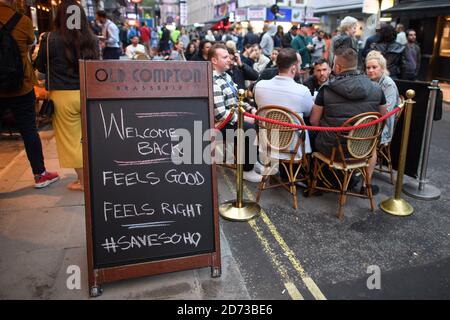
[{"x": 225, "y": 97}]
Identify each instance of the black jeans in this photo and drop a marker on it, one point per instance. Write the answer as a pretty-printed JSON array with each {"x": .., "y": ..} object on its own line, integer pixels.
[
  {"x": 111, "y": 53},
  {"x": 250, "y": 149},
  {"x": 24, "y": 113}
]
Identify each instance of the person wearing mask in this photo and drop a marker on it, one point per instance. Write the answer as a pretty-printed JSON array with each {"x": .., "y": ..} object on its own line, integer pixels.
[
  {"x": 65, "y": 48},
  {"x": 267, "y": 43},
  {"x": 226, "y": 97},
  {"x": 393, "y": 51},
  {"x": 135, "y": 48},
  {"x": 109, "y": 37},
  {"x": 348, "y": 94},
  {"x": 22, "y": 99},
  {"x": 202, "y": 54},
  {"x": 377, "y": 71},
  {"x": 321, "y": 74},
  {"x": 412, "y": 56}
]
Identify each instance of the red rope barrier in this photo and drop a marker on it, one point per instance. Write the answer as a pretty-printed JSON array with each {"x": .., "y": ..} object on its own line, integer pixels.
[
  {"x": 334, "y": 129},
  {"x": 221, "y": 125}
]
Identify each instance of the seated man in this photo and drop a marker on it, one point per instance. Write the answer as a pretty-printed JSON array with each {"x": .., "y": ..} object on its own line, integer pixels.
[
  {"x": 283, "y": 91},
  {"x": 226, "y": 97},
  {"x": 134, "y": 48},
  {"x": 321, "y": 75},
  {"x": 345, "y": 96}
]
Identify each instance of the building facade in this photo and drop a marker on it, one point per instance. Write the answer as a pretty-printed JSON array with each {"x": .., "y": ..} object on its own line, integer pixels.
[
  {"x": 199, "y": 11},
  {"x": 431, "y": 21}
]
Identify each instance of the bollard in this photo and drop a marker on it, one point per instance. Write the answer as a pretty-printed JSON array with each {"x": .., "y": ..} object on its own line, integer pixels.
[
  {"x": 240, "y": 209},
  {"x": 397, "y": 206},
  {"x": 421, "y": 190}
]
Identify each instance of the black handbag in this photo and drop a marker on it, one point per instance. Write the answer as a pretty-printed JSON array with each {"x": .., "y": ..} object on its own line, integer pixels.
[{"x": 48, "y": 107}]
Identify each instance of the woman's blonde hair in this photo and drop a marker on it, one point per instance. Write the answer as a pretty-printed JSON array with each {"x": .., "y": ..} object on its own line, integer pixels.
[{"x": 376, "y": 55}]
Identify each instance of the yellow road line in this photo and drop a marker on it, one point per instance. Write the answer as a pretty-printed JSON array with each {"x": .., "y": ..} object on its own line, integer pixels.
[
  {"x": 288, "y": 284},
  {"x": 310, "y": 284}
]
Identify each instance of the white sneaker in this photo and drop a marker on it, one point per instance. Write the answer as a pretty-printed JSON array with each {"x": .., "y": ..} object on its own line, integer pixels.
[
  {"x": 252, "y": 176},
  {"x": 258, "y": 167}
]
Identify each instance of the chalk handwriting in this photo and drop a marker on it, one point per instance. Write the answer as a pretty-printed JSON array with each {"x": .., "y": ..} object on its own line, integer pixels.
[
  {"x": 186, "y": 210},
  {"x": 121, "y": 211},
  {"x": 148, "y": 225},
  {"x": 112, "y": 244}
]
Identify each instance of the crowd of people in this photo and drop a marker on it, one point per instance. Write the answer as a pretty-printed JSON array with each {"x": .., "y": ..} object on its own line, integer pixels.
[{"x": 324, "y": 79}]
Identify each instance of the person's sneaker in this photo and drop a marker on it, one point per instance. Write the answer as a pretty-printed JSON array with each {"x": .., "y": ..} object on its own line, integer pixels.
[
  {"x": 45, "y": 179},
  {"x": 258, "y": 167},
  {"x": 375, "y": 190},
  {"x": 252, "y": 176}
]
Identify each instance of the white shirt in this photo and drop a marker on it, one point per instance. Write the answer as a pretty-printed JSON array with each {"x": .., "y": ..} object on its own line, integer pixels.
[
  {"x": 285, "y": 92},
  {"x": 261, "y": 64},
  {"x": 132, "y": 50},
  {"x": 111, "y": 34}
]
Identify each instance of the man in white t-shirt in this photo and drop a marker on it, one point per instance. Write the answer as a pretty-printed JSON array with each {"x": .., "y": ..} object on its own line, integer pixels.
[
  {"x": 285, "y": 92},
  {"x": 134, "y": 48}
]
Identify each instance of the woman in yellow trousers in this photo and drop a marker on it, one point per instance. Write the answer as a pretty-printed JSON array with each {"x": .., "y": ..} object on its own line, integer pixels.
[{"x": 59, "y": 53}]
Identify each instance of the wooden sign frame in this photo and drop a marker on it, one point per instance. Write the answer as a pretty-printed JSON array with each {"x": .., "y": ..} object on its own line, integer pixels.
[{"x": 109, "y": 82}]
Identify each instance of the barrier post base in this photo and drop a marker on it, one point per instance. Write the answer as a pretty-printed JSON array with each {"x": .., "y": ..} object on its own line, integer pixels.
[
  {"x": 230, "y": 211},
  {"x": 397, "y": 207},
  {"x": 428, "y": 192}
]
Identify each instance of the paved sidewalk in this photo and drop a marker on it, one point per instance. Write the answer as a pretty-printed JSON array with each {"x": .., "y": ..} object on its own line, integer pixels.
[{"x": 42, "y": 233}]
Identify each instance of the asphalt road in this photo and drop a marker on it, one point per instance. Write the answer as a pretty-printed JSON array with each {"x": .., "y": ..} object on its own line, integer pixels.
[{"x": 309, "y": 254}]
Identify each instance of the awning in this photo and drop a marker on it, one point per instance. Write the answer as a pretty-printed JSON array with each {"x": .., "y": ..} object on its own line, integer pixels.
[
  {"x": 338, "y": 8},
  {"x": 429, "y": 4}
]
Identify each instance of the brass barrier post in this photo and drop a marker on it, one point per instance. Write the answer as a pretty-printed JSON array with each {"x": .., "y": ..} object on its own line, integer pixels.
[
  {"x": 397, "y": 206},
  {"x": 240, "y": 209}
]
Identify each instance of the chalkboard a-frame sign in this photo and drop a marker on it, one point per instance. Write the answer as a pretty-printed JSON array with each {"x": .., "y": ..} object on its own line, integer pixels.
[{"x": 146, "y": 214}]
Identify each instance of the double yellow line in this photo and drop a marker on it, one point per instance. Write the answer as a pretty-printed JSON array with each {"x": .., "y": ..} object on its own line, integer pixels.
[{"x": 289, "y": 285}]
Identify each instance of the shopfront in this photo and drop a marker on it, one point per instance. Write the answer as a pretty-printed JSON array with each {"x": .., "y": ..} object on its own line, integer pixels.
[{"x": 431, "y": 21}]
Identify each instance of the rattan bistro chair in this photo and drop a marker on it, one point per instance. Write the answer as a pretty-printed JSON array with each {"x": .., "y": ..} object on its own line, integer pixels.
[
  {"x": 360, "y": 144},
  {"x": 278, "y": 140},
  {"x": 384, "y": 150}
]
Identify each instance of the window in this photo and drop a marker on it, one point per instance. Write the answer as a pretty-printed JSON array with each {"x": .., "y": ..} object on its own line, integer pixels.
[{"x": 445, "y": 40}]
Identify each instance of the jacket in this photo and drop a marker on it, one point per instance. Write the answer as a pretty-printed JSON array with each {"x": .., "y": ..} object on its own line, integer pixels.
[
  {"x": 345, "y": 96},
  {"x": 394, "y": 53},
  {"x": 64, "y": 74}
]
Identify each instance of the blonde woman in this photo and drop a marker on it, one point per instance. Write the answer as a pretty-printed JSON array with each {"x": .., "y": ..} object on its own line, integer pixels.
[{"x": 376, "y": 70}]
